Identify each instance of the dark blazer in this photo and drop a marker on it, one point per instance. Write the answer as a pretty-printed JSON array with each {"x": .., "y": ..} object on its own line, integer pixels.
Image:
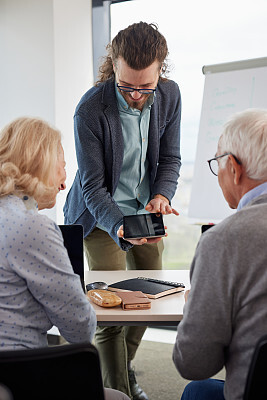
[{"x": 99, "y": 150}]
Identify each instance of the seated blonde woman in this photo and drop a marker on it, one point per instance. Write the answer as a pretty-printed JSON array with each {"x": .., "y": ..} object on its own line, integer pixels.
[{"x": 38, "y": 288}]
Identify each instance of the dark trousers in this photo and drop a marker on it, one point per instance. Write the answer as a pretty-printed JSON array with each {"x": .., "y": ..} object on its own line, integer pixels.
[{"x": 117, "y": 345}]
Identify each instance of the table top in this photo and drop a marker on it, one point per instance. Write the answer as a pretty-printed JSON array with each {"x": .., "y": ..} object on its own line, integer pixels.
[{"x": 166, "y": 310}]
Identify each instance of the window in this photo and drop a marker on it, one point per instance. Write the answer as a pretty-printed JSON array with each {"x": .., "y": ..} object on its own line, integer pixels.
[{"x": 198, "y": 33}]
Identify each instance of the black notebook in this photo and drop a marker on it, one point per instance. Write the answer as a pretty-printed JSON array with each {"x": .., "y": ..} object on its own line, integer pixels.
[{"x": 153, "y": 288}]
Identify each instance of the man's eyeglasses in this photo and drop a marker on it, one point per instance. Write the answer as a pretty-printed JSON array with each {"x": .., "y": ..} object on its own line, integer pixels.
[
  {"x": 213, "y": 162},
  {"x": 131, "y": 90}
]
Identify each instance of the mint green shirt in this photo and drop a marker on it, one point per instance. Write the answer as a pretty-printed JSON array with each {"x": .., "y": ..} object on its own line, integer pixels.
[{"x": 133, "y": 192}]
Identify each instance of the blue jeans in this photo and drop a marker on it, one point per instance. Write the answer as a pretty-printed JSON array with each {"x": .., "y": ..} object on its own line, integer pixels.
[{"x": 208, "y": 389}]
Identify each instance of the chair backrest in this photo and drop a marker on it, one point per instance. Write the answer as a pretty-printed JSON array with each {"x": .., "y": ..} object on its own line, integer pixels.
[
  {"x": 73, "y": 241},
  {"x": 256, "y": 387},
  {"x": 67, "y": 372}
]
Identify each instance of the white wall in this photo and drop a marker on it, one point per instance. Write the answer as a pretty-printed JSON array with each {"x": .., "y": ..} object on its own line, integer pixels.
[
  {"x": 27, "y": 68},
  {"x": 46, "y": 66},
  {"x": 73, "y": 73}
]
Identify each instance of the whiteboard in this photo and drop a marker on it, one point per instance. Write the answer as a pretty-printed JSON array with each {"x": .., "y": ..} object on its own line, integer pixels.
[{"x": 229, "y": 88}]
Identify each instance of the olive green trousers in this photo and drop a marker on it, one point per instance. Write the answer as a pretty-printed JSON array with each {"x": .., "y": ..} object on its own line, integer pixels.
[{"x": 117, "y": 345}]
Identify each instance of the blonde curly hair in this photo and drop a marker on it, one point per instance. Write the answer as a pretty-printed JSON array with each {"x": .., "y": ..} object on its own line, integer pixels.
[{"x": 28, "y": 156}]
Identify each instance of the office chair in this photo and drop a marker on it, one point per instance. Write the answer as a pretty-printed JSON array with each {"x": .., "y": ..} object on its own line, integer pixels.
[
  {"x": 256, "y": 385},
  {"x": 67, "y": 372}
]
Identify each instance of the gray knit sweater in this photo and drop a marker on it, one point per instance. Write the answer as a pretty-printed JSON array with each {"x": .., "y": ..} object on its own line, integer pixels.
[{"x": 226, "y": 312}]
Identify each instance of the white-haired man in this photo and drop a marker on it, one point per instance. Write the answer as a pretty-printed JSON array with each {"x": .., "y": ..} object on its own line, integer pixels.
[{"x": 226, "y": 309}]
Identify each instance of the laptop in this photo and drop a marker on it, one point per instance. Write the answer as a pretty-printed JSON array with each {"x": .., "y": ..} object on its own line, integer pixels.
[{"x": 73, "y": 241}]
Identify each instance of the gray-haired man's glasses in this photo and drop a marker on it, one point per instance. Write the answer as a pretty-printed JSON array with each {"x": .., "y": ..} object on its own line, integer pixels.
[
  {"x": 213, "y": 162},
  {"x": 131, "y": 90}
]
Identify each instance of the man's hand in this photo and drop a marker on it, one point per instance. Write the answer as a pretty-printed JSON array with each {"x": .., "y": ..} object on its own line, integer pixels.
[
  {"x": 160, "y": 204},
  {"x": 139, "y": 242}
]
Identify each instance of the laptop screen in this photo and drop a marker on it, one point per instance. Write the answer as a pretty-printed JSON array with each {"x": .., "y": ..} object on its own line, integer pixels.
[{"x": 73, "y": 241}]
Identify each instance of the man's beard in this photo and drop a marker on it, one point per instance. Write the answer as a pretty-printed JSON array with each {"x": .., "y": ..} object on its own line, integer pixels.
[{"x": 135, "y": 104}]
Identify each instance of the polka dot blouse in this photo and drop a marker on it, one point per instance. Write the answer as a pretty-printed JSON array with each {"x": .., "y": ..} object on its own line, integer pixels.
[{"x": 38, "y": 288}]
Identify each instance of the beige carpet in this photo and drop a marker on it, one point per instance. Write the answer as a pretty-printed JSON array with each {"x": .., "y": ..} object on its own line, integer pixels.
[{"x": 156, "y": 372}]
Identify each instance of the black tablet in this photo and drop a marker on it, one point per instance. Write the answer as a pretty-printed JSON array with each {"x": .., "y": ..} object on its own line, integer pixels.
[{"x": 143, "y": 226}]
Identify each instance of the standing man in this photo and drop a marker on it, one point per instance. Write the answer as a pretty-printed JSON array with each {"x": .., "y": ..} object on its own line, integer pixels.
[
  {"x": 226, "y": 311},
  {"x": 127, "y": 137}
]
